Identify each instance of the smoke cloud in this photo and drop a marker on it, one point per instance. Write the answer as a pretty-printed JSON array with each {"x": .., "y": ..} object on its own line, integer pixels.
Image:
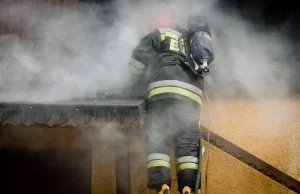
[
  {"x": 52, "y": 53},
  {"x": 56, "y": 53}
]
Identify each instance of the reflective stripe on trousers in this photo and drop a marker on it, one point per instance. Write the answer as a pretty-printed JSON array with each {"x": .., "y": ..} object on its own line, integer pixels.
[
  {"x": 177, "y": 87},
  {"x": 186, "y": 162},
  {"x": 157, "y": 159}
]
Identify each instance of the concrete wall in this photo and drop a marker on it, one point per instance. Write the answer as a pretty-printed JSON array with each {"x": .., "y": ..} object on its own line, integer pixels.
[{"x": 269, "y": 129}]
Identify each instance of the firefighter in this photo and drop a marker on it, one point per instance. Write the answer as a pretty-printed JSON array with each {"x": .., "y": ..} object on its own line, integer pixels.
[{"x": 160, "y": 64}]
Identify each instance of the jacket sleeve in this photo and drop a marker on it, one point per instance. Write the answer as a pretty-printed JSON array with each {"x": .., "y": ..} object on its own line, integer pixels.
[
  {"x": 200, "y": 39},
  {"x": 144, "y": 54}
]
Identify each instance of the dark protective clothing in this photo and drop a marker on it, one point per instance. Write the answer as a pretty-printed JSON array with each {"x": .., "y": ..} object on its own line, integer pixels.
[
  {"x": 174, "y": 96},
  {"x": 177, "y": 120}
]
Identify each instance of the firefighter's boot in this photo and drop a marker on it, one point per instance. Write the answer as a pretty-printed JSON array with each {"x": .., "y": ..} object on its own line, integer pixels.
[
  {"x": 188, "y": 190},
  {"x": 165, "y": 189}
]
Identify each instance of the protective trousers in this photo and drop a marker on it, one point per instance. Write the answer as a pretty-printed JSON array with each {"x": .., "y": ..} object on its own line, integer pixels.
[{"x": 172, "y": 121}]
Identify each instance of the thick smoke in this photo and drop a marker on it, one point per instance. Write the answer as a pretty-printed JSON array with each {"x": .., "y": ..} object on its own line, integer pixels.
[
  {"x": 56, "y": 53},
  {"x": 249, "y": 63},
  {"x": 59, "y": 54}
]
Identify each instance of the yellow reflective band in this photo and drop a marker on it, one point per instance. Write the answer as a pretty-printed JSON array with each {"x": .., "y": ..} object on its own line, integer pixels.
[
  {"x": 162, "y": 36},
  {"x": 174, "y": 45},
  {"x": 163, "y": 30},
  {"x": 174, "y": 35},
  {"x": 176, "y": 90},
  {"x": 187, "y": 166},
  {"x": 183, "y": 46},
  {"x": 175, "y": 83},
  {"x": 168, "y": 34},
  {"x": 171, "y": 35},
  {"x": 156, "y": 163}
]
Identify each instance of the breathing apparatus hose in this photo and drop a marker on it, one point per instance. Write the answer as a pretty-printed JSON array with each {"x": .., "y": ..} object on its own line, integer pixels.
[{"x": 200, "y": 152}]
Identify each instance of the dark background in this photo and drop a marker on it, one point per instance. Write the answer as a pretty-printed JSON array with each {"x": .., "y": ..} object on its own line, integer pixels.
[
  {"x": 46, "y": 171},
  {"x": 269, "y": 13}
]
